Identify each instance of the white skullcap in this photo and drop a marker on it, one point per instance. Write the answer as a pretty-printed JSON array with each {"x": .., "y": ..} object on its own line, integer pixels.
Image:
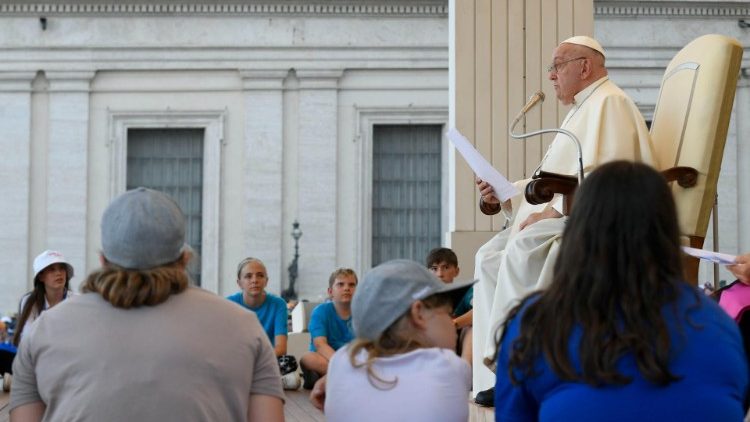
[{"x": 586, "y": 42}]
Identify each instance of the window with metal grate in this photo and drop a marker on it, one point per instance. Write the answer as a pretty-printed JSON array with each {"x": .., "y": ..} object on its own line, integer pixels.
[
  {"x": 406, "y": 191},
  {"x": 171, "y": 161}
]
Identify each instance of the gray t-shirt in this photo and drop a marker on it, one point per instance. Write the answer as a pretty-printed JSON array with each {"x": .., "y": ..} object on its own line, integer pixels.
[{"x": 195, "y": 357}]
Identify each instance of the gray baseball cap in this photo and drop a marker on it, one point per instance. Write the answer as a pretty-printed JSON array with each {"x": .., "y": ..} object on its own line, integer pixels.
[
  {"x": 388, "y": 290},
  {"x": 142, "y": 229}
]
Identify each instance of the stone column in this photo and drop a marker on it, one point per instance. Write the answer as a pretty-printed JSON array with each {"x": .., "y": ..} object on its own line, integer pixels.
[
  {"x": 67, "y": 166},
  {"x": 263, "y": 180},
  {"x": 15, "y": 163},
  {"x": 733, "y": 192},
  {"x": 742, "y": 132},
  {"x": 317, "y": 161}
]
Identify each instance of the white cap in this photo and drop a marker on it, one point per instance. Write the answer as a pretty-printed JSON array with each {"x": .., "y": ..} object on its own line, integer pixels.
[
  {"x": 47, "y": 258},
  {"x": 586, "y": 42}
]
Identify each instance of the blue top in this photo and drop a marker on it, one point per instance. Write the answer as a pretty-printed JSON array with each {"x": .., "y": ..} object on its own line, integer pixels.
[
  {"x": 8, "y": 347},
  {"x": 272, "y": 314},
  {"x": 464, "y": 305},
  {"x": 709, "y": 357},
  {"x": 325, "y": 322}
]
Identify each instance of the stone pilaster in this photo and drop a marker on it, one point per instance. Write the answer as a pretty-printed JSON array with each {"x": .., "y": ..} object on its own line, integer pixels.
[
  {"x": 263, "y": 171},
  {"x": 317, "y": 170},
  {"x": 15, "y": 145},
  {"x": 741, "y": 111},
  {"x": 67, "y": 166}
]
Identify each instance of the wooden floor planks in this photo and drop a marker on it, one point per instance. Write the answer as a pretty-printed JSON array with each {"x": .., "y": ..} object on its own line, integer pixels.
[
  {"x": 4, "y": 399},
  {"x": 297, "y": 409}
]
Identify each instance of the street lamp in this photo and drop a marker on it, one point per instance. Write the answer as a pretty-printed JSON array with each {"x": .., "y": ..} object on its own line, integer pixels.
[{"x": 289, "y": 293}]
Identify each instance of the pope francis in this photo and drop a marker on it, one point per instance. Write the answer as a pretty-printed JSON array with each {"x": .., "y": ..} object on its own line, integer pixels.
[{"x": 520, "y": 259}]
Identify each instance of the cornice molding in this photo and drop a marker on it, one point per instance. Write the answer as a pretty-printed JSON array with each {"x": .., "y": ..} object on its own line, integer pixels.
[
  {"x": 69, "y": 81},
  {"x": 16, "y": 81},
  {"x": 352, "y": 8},
  {"x": 318, "y": 78},
  {"x": 263, "y": 80},
  {"x": 670, "y": 9}
]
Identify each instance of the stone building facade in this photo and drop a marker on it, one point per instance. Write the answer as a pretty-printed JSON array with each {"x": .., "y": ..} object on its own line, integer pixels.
[
  {"x": 284, "y": 99},
  {"x": 283, "y": 95}
]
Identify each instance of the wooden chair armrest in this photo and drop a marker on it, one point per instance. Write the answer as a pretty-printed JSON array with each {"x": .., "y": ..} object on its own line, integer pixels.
[
  {"x": 488, "y": 209},
  {"x": 686, "y": 177},
  {"x": 543, "y": 187}
]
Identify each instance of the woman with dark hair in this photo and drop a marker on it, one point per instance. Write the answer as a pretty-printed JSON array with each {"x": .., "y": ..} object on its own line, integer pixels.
[
  {"x": 619, "y": 335},
  {"x": 52, "y": 274}
]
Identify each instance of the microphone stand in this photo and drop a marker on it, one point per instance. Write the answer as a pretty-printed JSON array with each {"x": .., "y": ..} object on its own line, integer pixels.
[{"x": 543, "y": 131}]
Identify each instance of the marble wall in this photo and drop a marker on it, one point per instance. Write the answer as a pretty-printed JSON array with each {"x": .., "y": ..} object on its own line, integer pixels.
[
  {"x": 288, "y": 93},
  {"x": 279, "y": 88}
]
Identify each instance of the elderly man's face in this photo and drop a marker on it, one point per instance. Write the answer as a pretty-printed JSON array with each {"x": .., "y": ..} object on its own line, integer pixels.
[{"x": 565, "y": 73}]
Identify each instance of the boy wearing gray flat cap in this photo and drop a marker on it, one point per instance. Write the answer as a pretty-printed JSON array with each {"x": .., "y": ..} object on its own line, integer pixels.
[
  {"x": 127, "y": 348},
  {"x": 402, "y": 364}
]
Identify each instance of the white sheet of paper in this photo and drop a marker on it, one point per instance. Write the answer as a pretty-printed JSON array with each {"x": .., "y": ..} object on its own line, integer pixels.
[
  {"x": 719, "y": 258},
  {"x": 481, "y": 167}
]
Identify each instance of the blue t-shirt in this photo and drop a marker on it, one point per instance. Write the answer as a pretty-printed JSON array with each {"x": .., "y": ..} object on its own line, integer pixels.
[
  {"x": 8, "y": 347},
  {"x": 325, "y": 322},
  {"x": 464, "y": 305},
  {"x": 709, "y": 358},
  {"x": 272, "y": 314}
]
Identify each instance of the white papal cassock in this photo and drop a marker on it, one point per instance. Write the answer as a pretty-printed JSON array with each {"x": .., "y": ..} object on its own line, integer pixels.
[{"x": 514, "y": 263}]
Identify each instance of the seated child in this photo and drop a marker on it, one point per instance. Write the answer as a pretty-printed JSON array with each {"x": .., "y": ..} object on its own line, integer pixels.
[
  {"x": 443, "y": 262},
  {"x": 402, "y": 365},
  {"x": 252, "y": 278},
  {"x": 7, "y": 354},
  {"x": 330, "y": 325}
]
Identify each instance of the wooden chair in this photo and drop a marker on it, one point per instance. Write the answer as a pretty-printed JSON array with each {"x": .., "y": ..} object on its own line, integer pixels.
[
  {"x": 688, "y": 130},
  {"x": 690, "y": 124}
]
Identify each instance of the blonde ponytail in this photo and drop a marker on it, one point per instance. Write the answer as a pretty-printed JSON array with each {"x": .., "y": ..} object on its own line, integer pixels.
[{"x": 397, "y": 339}]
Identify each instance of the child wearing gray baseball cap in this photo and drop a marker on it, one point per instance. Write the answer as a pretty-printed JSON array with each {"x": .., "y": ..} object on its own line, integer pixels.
[{"x": 402, "y": 364}]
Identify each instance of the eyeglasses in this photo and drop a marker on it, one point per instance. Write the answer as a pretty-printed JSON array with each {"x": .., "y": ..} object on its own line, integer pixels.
[{"x": 556, "y": 66}]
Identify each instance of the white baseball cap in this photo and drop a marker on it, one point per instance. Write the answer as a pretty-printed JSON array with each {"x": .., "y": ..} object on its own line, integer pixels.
[{"x": 49, "y": 257}]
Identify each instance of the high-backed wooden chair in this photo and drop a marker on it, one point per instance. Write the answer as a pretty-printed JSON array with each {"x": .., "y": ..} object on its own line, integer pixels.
[{"x": 689, "y": 130}]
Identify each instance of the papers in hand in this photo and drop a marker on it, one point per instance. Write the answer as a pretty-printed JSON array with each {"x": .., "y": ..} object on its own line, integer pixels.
[
  {"x": 481, "y": 167},
  {"x": 719, "y": 258}
]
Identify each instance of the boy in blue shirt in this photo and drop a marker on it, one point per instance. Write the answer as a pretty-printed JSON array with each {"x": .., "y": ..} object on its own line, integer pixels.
[
  {"x": 271, "y": 310},
  {"x": 443, "y": 262},
  {"x": 330, "y": 325}
]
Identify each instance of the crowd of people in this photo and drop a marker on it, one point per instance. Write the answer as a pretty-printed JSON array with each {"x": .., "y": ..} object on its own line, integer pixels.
[{"x": 581, "y": 317}]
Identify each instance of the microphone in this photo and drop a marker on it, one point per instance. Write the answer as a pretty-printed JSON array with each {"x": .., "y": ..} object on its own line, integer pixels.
[
  {"x": 533, "y": 101},
  {"x": 538, "y": 97}
]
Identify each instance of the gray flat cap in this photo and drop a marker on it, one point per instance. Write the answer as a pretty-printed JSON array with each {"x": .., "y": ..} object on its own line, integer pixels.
[{"x": 142, "y": 229}]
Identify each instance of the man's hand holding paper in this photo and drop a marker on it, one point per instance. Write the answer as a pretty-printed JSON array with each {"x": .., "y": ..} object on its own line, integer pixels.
[
  {"x": 503, "y": 189},
  {"x": 487, "y": 192}
]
